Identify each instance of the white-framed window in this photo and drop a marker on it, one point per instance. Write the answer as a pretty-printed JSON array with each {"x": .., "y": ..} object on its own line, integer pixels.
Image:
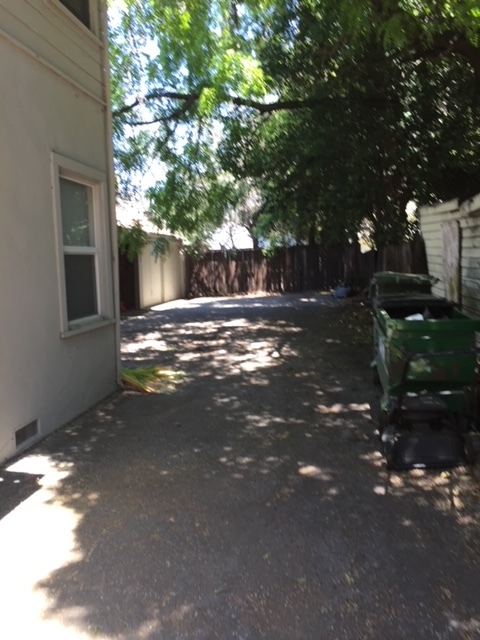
[
  {"x": 83, "y": 14},
  {"x": 80, "y": 9},
  {"x": 81, "y": 223}
]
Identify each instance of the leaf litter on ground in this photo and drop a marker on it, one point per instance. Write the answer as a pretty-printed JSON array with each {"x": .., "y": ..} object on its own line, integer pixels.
[{"x": 150, "y": 379}]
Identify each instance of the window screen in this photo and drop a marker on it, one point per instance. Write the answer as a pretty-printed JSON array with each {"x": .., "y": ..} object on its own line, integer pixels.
[
  {"x": 80, "y": 9},
  {"x": 77, "y": 211},
  {"x": 79, "y": 250},
  {"x": 80, "y": 281}
]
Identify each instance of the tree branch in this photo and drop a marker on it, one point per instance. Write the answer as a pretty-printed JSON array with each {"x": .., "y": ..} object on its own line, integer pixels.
[
  {"x": 189, "y": 100},
  {"x": 269, "y": 107},
  {"x": 452, "y": 42}
]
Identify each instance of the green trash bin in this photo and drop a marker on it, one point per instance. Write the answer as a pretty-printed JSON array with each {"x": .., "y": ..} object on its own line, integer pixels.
[
  {"x": 425, "y": 358},
  {"x": 393, "y": 284}
]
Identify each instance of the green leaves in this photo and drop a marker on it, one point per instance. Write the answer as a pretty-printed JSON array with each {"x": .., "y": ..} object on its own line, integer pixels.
[
  {"x": 391, "y": 112},
  {"x": 194, "y": 194},
  {"x": 131, "y": 240},
  {"x": 207, "y": 101}
]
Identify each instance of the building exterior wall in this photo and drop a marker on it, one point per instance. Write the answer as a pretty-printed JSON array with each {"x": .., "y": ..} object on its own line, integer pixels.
[
  {"x": 163, "y": 279},
  {"x": 54, "y": 105},
  {"x": 468, "y": 216}
]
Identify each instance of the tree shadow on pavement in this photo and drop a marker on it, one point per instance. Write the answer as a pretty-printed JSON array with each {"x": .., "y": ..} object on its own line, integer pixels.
[{"x": 252, "y": 502}]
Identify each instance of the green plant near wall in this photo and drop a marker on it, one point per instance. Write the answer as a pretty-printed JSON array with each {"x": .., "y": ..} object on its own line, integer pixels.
[
  {"x": 131, "y": 240},
  {"x": 160, "y": 247}
]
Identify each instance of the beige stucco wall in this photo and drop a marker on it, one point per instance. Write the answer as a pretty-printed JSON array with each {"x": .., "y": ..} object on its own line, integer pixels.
[
  {"x": 44, "y": 376},
  {"x": 468, "y": 215},
  {"x": 163, "y": 279}
]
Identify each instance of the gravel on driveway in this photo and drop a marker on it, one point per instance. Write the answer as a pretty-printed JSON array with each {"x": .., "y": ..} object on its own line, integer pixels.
[{"x": 247, "y": 499}]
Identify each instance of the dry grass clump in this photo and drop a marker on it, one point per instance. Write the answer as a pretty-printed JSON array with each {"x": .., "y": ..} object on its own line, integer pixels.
[{"x": 149, "y": 379}]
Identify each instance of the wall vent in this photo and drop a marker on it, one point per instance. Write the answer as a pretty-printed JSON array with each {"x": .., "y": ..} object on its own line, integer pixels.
[{"x": 27, "y": 432}]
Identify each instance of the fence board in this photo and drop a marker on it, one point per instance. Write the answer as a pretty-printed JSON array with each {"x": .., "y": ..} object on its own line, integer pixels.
[{"x": 219, "y": 273}]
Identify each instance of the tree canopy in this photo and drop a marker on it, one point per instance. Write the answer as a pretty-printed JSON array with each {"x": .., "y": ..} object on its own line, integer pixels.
[{"x": 312, "y": 119}]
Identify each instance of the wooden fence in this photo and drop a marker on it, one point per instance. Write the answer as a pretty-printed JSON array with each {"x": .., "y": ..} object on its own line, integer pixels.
[{"x": 219, "y": 273}]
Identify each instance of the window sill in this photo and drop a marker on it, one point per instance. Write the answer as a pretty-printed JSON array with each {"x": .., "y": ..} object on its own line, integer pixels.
[{"x": 82, "y": 326}]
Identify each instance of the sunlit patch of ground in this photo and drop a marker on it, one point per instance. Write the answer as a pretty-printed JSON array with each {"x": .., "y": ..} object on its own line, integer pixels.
[{"x": 37, "y": 538}]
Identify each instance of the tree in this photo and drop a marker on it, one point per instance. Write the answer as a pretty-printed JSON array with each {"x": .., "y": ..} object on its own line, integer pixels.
[{"x": 333, "y": 112}]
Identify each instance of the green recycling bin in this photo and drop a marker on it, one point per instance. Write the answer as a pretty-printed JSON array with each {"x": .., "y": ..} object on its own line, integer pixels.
[{"x": 425, "y": 358}]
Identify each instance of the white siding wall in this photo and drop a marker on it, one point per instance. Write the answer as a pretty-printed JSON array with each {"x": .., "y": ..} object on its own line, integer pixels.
[
  {"x": 49, "y": 32},
  {"x": 43, "y": 376},
  {"x": 163, "y": 279},
  {"x": 468, "y": 215}
]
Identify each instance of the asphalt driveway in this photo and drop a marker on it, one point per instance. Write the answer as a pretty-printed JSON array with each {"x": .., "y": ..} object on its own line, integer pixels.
[{"x": 245, "y": 500}]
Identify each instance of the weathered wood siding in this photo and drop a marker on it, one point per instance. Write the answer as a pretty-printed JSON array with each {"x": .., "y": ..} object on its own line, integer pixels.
[
  {"x": 297, "y": 268},
  {"x": 432, "y": 220}
]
